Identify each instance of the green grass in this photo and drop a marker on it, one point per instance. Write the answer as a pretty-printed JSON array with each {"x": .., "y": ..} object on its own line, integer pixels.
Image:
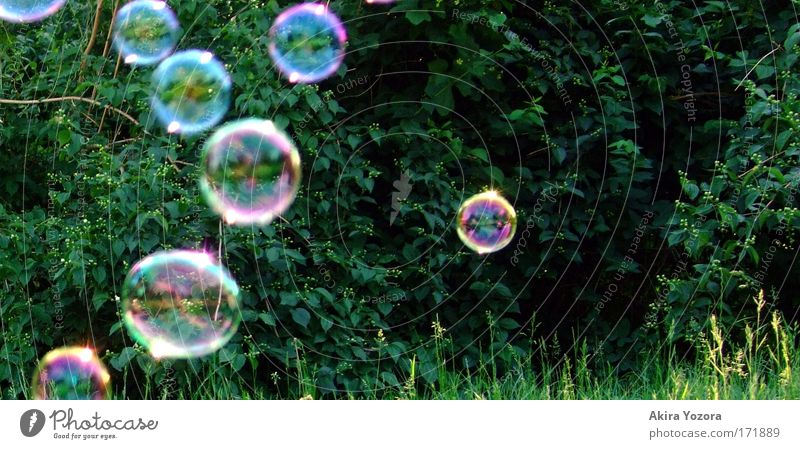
[{"x": 764, "y": 364}]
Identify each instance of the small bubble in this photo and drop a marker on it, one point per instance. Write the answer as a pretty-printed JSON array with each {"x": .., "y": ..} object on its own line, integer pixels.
[
  {"x": 307, "y": 43},
  {"x": 24, "y": 11},
  {"x": 192, "y": 92},
  {"x": 145, "y": 31},
  {"x": 71, "y": 373}
]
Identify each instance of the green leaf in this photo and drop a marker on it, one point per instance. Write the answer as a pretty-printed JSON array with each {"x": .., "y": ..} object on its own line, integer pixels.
[
  {"x": 64, "y": 136},
  {"x": 267, "y": 318},
  {"x": 118, "y": 247},
  {"x": 559, "y": 154},
  {"x": 691, "y": 190},
  {"x": 507, "y": 324},
  {"x": 480, "y": 153},
  {"x": 390, "y": 379},
  {"x": 123, "y": 359},
  {"x": 288, "y": 298},
  {"x": 301, "y": 316},
  {"x": 99, "y": 274},
  {"x": 238, "y": 362},
  {"x": 227, "y": 354},
  {"x": 385, "y": 307},
  {"x": 676, "y": 237},
  {"x": 792, "y": 40},
  {"x": 273, "y": 254},
  {"x": 516, "y": 114},
  {"x": 652, "y": 21},
  {"x": 115, "y": 327},
  {"x": 417, "y": 17},
  {"x": 359, "y": 353}
]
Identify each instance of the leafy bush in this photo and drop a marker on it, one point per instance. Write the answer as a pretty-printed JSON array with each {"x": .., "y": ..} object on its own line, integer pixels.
[{"x": 650, "y": 151}]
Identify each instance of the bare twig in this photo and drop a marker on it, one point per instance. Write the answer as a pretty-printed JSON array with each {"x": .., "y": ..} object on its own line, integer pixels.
[
  {"x": 761, "y": 164},
  {"x": 81, "y": 99},
  {"x": 107, "y": 46},
  {"x": 116, "y": 71},
  {"x": 754, "y": 67},
  {"x": 93, "y": 36}
]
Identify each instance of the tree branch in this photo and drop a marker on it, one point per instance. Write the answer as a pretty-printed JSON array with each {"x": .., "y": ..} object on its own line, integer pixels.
[
  {"x": 93, "y": 36},
  {"x": 81, "y": 99}
]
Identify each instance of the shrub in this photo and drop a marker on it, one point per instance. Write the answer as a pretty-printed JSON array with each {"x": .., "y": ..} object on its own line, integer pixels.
[{"x": 650, "y": 151}]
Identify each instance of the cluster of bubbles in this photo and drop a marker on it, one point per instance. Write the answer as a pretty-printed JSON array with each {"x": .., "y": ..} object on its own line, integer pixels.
[
  {"x": 180, "y": 304},
  {"x": 486, "y": 222},
  {"x": 191, "y": 88},
  {"x": 145, "y": 31},
  {"x": 307, "y": 43},
  {"x": 71, "y": 373},
  {"x": 25, "y": 11},
  {"x": 251, "y": 171},
  {"x": 184, "y": 303}
]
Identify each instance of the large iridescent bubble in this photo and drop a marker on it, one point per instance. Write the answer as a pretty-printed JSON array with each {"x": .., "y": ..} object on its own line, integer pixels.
[
  {"x": 307, "y": 43},
  {"x": 180, "y": 304},
  {"x": 22, "y": 11},
  {"x": 251, "y": 172},
  {"x": 486, "y": 222},
  {"x": 145, "y": 31},
  {"x": 71, "y": 373},
  {"x": 192, "y": 91}
]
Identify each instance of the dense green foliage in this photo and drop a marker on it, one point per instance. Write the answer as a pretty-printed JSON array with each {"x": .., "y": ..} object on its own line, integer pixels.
[{"x": 650, "y": 150}]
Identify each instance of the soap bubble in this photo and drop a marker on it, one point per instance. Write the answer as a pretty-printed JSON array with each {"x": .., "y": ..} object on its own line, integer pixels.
[
  {"x": 486, "y": 222},
  {"x": 180, "y": 304},
  {"x": 71, "y": 373},
  {"x": 192, "y": 91},
  {"x": 307, "y": 43},
  {"x": 21, "y": 11},
  {"x": 145, "y": 31},
  {"x": 251, "y": 171}
]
